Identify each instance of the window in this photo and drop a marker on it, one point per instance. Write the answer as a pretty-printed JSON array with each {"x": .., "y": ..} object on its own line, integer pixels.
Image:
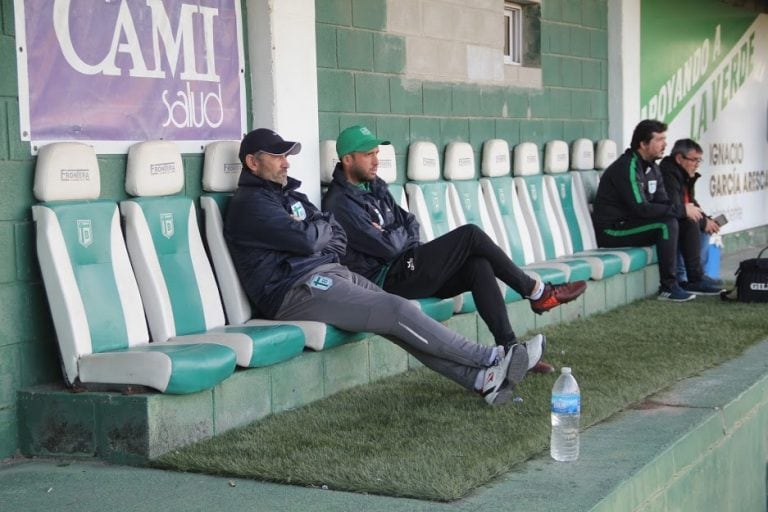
[{"x": 513, "y": 34}]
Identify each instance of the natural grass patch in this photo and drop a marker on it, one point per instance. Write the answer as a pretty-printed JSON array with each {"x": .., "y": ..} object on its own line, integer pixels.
[{"x": 420, "y": 435}]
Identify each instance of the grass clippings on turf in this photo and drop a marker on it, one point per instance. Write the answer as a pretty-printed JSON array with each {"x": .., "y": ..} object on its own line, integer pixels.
[{"x": 420, "y": 435}]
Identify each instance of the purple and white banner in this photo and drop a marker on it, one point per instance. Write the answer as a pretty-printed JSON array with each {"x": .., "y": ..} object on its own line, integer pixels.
[{"x": 114, "y": 72}]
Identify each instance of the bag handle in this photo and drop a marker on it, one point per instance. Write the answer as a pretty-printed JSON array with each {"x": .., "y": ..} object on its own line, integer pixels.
[{"x": 760, "y": 255}]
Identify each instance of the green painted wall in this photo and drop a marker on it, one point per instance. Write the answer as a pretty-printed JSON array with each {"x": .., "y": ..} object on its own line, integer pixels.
[{"x": 361, "y": 80}]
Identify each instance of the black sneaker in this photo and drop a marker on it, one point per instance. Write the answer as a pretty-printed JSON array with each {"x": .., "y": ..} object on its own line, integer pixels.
[
  {"x": 675, "y": 294},
  {"x": 704, "y": 288}
]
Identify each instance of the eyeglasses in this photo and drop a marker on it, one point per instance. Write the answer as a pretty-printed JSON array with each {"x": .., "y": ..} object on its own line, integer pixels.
[{"x": 697, "y": 160}]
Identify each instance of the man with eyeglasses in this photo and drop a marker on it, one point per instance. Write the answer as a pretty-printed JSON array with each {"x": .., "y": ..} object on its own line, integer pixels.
[
  {"x": 679, "y": 170},
  {"x": 632, "y": 208}
]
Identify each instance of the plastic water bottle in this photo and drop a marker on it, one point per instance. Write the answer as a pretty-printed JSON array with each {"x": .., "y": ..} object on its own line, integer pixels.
[{"x": 566, "y": 411}]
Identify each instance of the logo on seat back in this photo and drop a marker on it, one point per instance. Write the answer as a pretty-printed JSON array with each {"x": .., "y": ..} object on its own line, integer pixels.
[
  {"x": 166, "y": 224},
  {"x": 84, "y": 232}
]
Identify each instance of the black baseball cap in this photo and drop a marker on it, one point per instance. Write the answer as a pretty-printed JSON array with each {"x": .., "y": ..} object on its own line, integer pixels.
[{"x": 267, "y": 141}]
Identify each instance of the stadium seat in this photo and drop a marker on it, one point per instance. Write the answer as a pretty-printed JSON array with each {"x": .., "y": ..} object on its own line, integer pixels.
[
  {"x": 468, "y": 203},
  {"x": 506, "y": 217},
  {"x": 92, "y": 292},
  {"x": 583, "y": 162},
  {"x": 175, "y": 278},
  {"x": 568, "y": 203},
  {"x": 576, "y": 220},
  {"x": 606, "y": 153},
  {"x": 429, "y": 200},
  {"x": 540, "y": 216}
]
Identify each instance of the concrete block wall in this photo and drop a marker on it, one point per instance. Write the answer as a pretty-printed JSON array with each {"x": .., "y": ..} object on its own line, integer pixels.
[{"x": 376, "y": 66}]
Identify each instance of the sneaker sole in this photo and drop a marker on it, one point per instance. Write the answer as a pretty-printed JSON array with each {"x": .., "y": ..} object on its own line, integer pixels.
[
  {"x": 516, "y": 371},
  {"x": 518, "y": 365},
  {"x": 699, "y": 292},
  {"x": 535, "y": 348},
  {"x": 670, "y": 299}
]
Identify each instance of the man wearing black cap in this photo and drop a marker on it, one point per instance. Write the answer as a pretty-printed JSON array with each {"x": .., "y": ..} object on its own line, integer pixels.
[
  {"x": 384, "y": 246},
  {"x": 287, "y": 252}
]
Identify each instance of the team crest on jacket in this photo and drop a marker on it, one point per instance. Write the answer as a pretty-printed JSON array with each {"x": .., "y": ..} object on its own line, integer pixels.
[
  {"x": 297, "y": 209},
  {"x": 652, "y": 186}
]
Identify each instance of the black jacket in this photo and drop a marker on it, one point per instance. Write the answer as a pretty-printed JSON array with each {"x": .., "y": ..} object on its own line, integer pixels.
[
  {"x": 630, "y": 189},
  {"x": 677, "y": 181},
  {"x": 270, "y": 249},
  {"x": 370, "y": 250}
]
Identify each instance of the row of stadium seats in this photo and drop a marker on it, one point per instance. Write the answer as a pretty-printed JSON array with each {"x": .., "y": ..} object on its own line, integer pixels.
[
  {"x": 105, "y": 287},
  {"x": 112, "y": 289}
]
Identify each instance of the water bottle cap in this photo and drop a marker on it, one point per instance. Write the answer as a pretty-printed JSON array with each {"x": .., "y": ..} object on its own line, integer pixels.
[{"x": 565, "y": 369}]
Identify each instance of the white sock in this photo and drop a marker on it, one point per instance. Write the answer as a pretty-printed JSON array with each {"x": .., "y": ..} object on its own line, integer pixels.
[
  {"x": 537, "y": 291},
  {"x": 479, "y": 380},
  {"x": 494, "y": 356}
]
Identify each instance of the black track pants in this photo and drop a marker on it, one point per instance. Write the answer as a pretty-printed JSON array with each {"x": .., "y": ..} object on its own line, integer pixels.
[{"x": 464, "y": 259}]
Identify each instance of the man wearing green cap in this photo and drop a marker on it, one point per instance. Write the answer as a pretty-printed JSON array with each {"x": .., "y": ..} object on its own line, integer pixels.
[{"x": 383, "y": 245}]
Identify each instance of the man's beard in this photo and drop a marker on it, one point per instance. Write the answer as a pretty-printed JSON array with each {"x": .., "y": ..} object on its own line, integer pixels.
[{"x": 363, "y": 176}]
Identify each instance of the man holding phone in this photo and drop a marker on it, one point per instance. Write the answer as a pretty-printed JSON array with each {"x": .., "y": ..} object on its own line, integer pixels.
[{"x": 679, "y": 170}]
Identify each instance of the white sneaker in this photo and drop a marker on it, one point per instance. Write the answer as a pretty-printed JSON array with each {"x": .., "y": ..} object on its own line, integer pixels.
[
  {"x": 500, "y": 379},
  {"x": 535, "y": 348}
]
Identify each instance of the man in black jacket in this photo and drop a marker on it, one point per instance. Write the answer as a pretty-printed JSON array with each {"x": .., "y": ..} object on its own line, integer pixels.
[
  {"x": 680, "y": 176},
  {"x": 384, "y": 246},
  {"x": 286, "y": 253},
  {"x": 632, "y": 208}
]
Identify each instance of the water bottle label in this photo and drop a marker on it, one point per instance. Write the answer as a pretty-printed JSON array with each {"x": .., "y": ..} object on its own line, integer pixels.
[{"x": 566, "y": 404}]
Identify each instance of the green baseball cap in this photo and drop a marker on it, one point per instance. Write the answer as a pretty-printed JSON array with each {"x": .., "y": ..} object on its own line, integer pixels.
[{"x": 356, "y": 138}]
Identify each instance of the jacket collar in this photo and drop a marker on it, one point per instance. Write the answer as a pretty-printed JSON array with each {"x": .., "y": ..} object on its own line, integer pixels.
[
  {"x": 646, "y": 163},
  {"x": 682, "y": 175}
]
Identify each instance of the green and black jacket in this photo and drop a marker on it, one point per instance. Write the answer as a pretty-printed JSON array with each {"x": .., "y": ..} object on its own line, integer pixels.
[{"x": 632, "y": 189}]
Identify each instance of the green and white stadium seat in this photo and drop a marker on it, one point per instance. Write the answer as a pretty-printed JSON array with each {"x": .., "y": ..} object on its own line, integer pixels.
[
  {"x": 436, "y": 308},
  {"x": 429, "y": 200},
  {"x": 583, "y": 163},
  {"x": 606, "y": 152},
  {"x": 468, "y": 203},
  {"x": 507, "y": 219},
  {"x": 567, "y": 202},
  {"x": 175, "y": 279},
  {"x": 569, "y": 199},
  {"x": 540, "y": 216},
  {"x": 92, "y": 292}
]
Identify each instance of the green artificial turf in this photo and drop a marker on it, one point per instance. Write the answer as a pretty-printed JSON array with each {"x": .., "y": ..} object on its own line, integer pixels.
[{"x": 420, "y": 435}]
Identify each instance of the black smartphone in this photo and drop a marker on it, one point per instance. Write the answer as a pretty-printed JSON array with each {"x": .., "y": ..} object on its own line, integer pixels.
[{"x": 720, "y": 220}]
